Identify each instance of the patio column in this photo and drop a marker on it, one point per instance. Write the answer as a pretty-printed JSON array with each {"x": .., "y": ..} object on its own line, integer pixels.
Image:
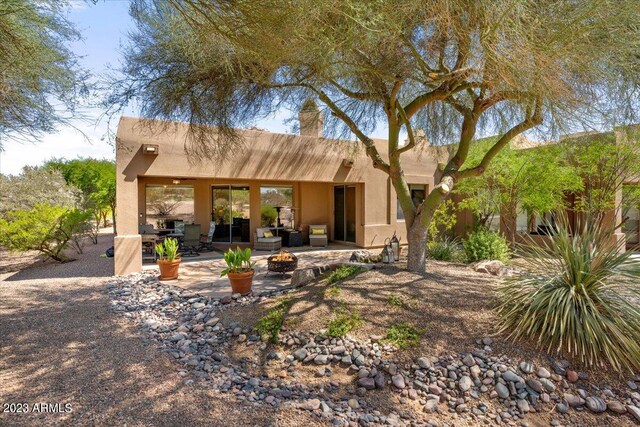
[{"x": 128, "y": 243}]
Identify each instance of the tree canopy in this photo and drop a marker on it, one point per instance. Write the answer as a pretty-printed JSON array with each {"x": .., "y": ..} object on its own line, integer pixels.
[
  {"x": 453, "y": 68},
  {"x": 96, "y": 179},
  {"x": 40, "y": 78}
]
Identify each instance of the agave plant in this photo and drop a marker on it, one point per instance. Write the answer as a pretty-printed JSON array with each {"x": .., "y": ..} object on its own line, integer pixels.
[{"x": 579, "y": 295}]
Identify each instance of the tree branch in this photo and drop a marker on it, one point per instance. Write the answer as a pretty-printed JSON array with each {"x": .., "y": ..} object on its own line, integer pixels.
[{"x": 533, "y": 119}]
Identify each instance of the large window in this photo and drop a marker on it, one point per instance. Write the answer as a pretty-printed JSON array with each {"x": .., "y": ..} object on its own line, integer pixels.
[
  {"x": 276, "y": 207},
  {"x": 418, "y": 194},
  {"x": 166, "y": 204}
]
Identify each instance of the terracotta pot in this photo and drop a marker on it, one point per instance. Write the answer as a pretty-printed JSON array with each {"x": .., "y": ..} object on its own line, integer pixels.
[
  {"x": 169, "y": 269},
  {"x": 241, "y": 282}
]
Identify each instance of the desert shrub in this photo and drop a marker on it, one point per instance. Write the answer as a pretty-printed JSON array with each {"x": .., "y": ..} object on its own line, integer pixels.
[
  {"x": 577, "y": 297},
  {"x": 483, "y": 245},
  {"x": 268, "y": 215},
  {"x": 332, "y": 291},
  {"x": 271, "y": 323},
  {"x": 44, "y": 228},
  {"x": 445, "y": 249},
  {"x": 343, "y": 272},
  {"x": 403, "y": 335},
  {"x": 395, "y": 301},
  {"x": 342, "y": 323}
]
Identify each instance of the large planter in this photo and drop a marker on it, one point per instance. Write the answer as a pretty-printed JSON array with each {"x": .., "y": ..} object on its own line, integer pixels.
[
  {"x": 241, "y": 282},
  {"x": 169, "y": 269}
]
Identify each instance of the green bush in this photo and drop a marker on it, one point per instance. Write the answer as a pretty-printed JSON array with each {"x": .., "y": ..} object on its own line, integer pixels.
[
  {"x": 403, "y": 335},
  {"x": 268, "y": 215},
  {"x": 343, "y": 272},
  {"x": 342, "y": 323},
  {"x": 44, "y": 228},
  {"x": 483, "y": 245},
  {"x": 445, "y": 249},
  {"x": 577, "y": 297},
  {"x": 271, "y": 323}
]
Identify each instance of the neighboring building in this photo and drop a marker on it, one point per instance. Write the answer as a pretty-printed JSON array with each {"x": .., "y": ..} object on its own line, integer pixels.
[{"x": 311, "y": 179}]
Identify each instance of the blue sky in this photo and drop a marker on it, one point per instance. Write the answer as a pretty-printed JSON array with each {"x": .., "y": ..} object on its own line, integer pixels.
[{"x": 104, "y": 27}]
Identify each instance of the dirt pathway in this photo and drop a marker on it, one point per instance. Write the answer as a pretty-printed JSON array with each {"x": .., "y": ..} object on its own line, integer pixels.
[{"x": 61, "y": 344}]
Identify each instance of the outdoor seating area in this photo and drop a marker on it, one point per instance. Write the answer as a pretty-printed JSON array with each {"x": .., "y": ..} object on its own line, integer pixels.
[{"x": 192, "y": 243}]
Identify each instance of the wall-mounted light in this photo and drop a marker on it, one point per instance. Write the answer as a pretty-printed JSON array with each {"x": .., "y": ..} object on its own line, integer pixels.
[
  {"x": 347, "y": 163},
  {"x": 176, "y": 181},
  {"x": 150, "y": 149}
]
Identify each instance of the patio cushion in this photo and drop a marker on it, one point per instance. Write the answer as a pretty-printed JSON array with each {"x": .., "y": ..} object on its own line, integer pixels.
[
  {"x": 270, "y": 239},
  {"x": 260, "y": 232},
  {"x": 268, "y": 234},
  {"x": 317, "y": 232}
]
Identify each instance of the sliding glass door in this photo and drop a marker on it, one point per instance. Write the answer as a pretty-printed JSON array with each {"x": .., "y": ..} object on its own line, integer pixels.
[
  {"x": 344, "y": 212},
  {"x": 230, "y": 212}
]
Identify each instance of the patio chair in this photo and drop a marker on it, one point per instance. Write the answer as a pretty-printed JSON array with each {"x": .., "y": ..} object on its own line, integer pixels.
[
  {"x": 146, "y": 229},
  {"x": 206, "y": 240},
  {"x": 178, "y": 227},
  {"x": 191, "y": 240},
  {"x": 266, "y": 243},
  {"x": 318, "y": 235}
]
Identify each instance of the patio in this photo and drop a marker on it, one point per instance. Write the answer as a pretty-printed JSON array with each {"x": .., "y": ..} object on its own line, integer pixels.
[{"x": 201, "y": 274}]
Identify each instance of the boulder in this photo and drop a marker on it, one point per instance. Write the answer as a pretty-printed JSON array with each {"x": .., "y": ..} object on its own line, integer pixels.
[{"x": 493, "y": 267}]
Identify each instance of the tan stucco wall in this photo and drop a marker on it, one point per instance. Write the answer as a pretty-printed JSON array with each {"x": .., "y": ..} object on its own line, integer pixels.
[{"x": 312, "y": 165}]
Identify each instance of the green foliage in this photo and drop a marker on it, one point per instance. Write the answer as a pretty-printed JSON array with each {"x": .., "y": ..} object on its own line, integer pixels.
[
  {"x": 344, "y": 272},
  {"x": 395, "y": 301},
  {"x": 577, "y": 297},
  {"x": 36, "y": 185},
  {"x": 168, "y": 250},
  {"x": 604, "y": 162},
  {"x": 96, "y": 179},
  {"x": 268, "y": 215},
  {"x": 445, "y": 249},
  {"x": 44, "y": 228},
  {"x": 271, "y": 323},
  {"x": 238, "y": 261},
  {"x": 41, "y": 79},
  {"x": 531, "y": 180},
  {"x": 485, "y": 245},
  {"x": 342, "y": 323},
  {"x": 332, "y": 291},
  {"x": 443, "y": 220},
  {"x": 403, "y": 335}
]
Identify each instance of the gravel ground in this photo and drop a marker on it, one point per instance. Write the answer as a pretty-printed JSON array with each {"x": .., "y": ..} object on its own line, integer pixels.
[{"x": 61, "y": 344}]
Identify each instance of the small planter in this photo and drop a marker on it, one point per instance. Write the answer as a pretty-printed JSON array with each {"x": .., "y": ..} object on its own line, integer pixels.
[
  {"x": 169, "y": 269},
  {"x": 241, "y": 282}
]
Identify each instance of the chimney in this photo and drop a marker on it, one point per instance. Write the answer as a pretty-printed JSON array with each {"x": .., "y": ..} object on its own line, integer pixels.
[{"x": 311, "y": 120}]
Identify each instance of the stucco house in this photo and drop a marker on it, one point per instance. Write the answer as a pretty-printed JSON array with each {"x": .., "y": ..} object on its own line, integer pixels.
[
  {"x": 276, "y": 180},
  {"x": 309, "y": 178}
]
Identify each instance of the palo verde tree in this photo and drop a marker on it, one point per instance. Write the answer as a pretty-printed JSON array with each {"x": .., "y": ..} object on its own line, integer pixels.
[
  {"x": 40, "y": 78},
  {"x": 454, "y": 68},
  {"x": 534, "y": 180}
]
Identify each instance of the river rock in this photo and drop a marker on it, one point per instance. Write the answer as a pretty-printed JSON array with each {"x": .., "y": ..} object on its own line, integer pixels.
[
  {"x": 465, "y": 383},
  {"x": 596, "y": 404},
  {"x": 398, "y": 381}
]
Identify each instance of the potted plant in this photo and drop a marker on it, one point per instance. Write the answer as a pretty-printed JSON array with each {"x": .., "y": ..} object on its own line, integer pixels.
[
  {"x": 168, "y": 260},
  {"x": 239, "y": 270}
]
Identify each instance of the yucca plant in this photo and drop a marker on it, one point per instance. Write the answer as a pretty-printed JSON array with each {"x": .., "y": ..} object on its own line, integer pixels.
[
  {"x": 577, "y": 296},
  {"x": 445, "y": 249}
]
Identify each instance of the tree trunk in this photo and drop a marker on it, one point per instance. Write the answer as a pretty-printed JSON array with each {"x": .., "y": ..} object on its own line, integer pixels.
[{"x": 417, "y": 238}]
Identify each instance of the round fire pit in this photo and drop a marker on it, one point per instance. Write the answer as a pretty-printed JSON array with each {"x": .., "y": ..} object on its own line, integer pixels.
[{"x": 282, "y": 262}]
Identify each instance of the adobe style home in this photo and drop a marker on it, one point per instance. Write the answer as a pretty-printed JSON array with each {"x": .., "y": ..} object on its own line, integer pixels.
[
  {"x": 277, "y": 181},
  {"x": 307, "y": 179}
]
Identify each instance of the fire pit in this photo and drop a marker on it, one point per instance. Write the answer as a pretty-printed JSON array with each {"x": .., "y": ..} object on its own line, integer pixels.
[{"x": 282, "y": 262}]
